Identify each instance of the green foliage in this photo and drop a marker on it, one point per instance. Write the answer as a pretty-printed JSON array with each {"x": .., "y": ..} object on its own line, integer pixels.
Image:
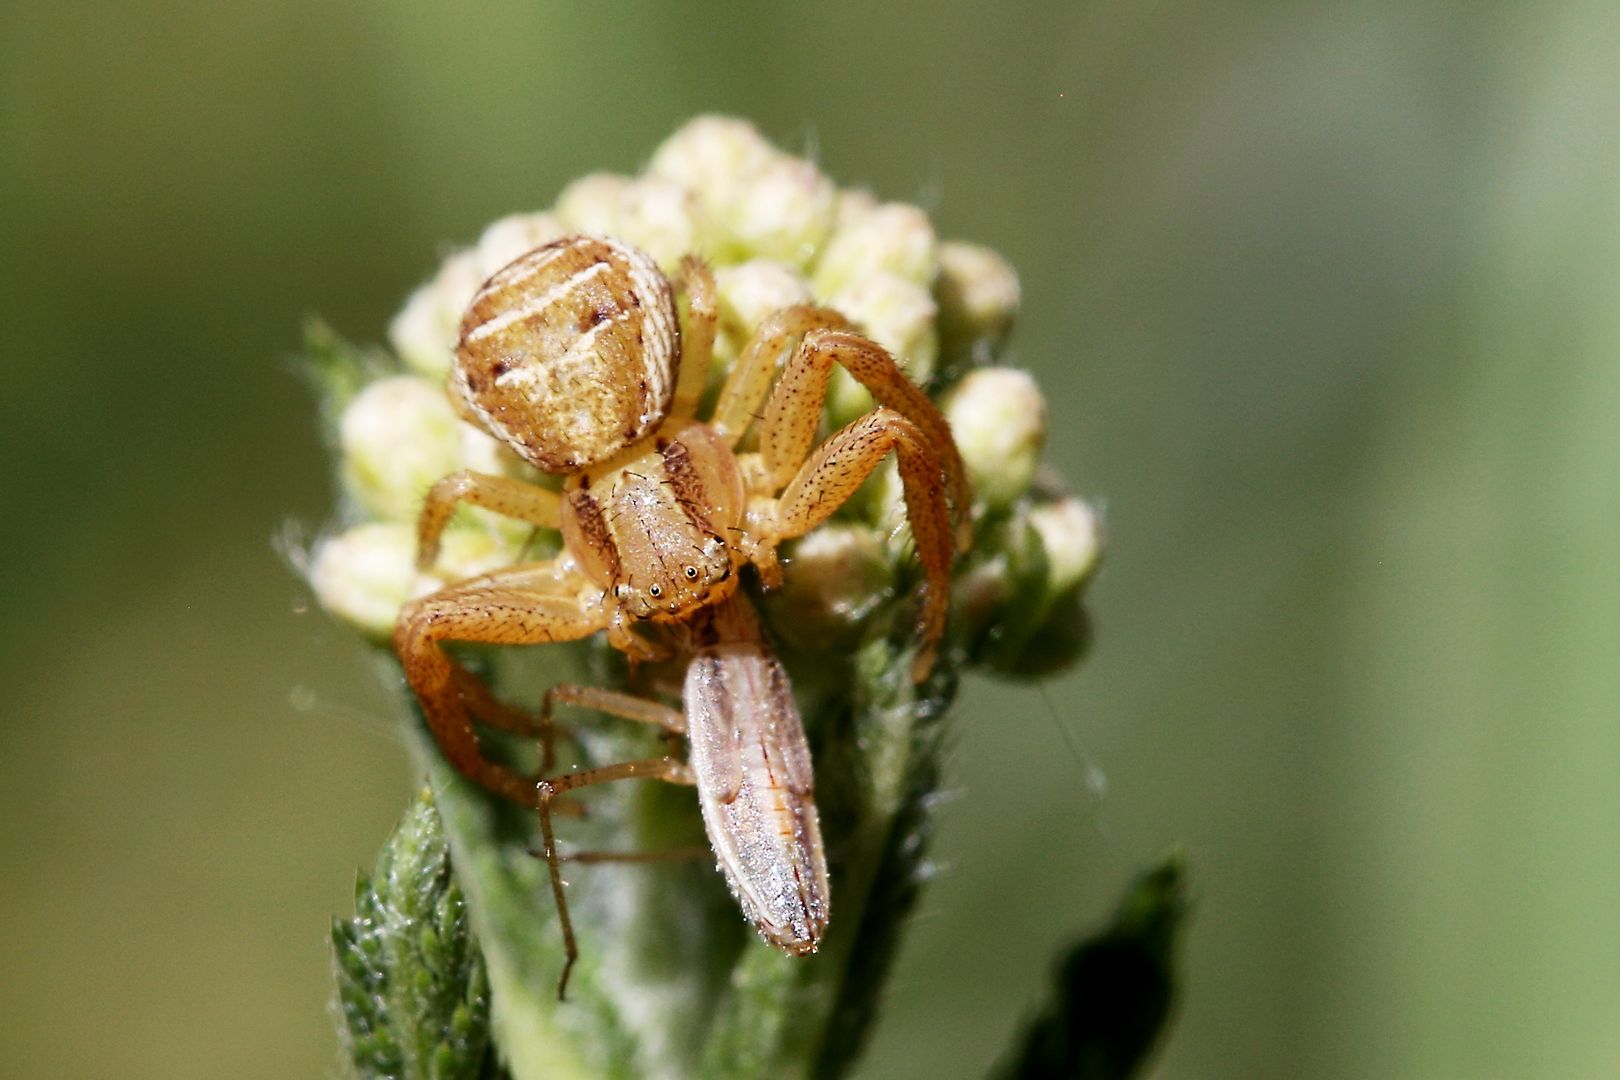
[
  {"x": 412, "y": 994},
  {"x": 1113, "y": 991}
]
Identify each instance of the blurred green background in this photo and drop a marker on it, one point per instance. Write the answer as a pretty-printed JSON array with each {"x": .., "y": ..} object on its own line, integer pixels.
[{"x": 1326, "y": 298}]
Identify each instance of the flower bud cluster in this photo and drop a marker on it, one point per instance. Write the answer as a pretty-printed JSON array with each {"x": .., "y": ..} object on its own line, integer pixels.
[{"x": 777, "y": 232}]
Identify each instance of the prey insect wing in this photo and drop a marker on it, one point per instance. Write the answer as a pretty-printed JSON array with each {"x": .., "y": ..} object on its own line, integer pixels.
[{"x": 754, "y": 780}]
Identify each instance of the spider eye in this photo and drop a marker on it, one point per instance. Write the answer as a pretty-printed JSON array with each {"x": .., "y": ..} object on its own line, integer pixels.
[
  {"x": 691, "y": 573},
  {"x": 655, "y": 591}
]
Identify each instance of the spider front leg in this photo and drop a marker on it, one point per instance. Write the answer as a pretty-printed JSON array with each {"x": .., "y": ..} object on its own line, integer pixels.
[
  {"x": 523, "y": 605},
  {"x": 750, "y": 378},
  {"x": 830, "y": 477},
  {"x": 793, "y": 415}
]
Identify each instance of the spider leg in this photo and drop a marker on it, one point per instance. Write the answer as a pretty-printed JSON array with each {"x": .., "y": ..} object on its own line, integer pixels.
[
  {"x": 503, "y": 494},
  {"x": 526, "y": 604},
  {"x": 793, "y": 414},
  {"x": 839, "y": 466},
  {"x": 696, "y": 280},
  {"x": 750, "y": 380}
]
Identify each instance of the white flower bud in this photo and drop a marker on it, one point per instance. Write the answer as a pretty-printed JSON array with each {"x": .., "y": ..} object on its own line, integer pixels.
[
  {"x": 978, "y": 291},
  {"x": 998, "y": 417},
  {"x": 399, "y": 436},
  {"x": 591, "y": 203},
  {"x": 465, "y": 553},
  {"x": 754, "y": 199},
  {"x": 516, "y": 234},
  {"x": 853, "y": 204},
  {"x": 1072, "y": 534},
  {"x": 424, "y": 333},
  {"x": 660, "y": 217},
  {"x": 785, "y": 212},
  {"x": 654, "y": 213},
  {"x": 897, "y": 314},
  {"x": 893, "y": 237},
  {"x": 714, "y": 157},
  {"x": 365, "y": 575},
  {"x": 748, "y": 293}
]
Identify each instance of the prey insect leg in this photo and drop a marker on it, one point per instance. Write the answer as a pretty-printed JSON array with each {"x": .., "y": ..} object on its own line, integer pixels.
[{"x": 664, "y": 768}]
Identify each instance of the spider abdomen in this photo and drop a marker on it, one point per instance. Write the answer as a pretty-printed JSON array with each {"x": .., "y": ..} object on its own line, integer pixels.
[{"x": 569, "y": 353}]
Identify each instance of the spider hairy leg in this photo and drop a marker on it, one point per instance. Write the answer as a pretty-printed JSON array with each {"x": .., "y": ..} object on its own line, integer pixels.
[
  {"x": 842, "y": 464},
  {"x": 696, "y": 280},
  {"x": 504, "y": 495},
  {"x": 750, "y": 380},
  {"x": 520, "y": 606},
  {"x": 793, "y": 413}
]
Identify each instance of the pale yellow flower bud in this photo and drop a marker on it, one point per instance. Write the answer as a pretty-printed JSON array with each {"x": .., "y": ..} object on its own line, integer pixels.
[
  {"x": 424, "y": 333},
  {"x": 1071, "y": 532},
  {"x": 591, "y": 203},
  {"x": 748, "y": 293},
  {"x": 399, "y": 435},
  {"x": 365, "y": 575},
  {"x": 978, "y": 292},
  {"x": 893, "y": 237},
  {"x": 752, "y": 290},
  {"x": 661, "y": 218},
  {"x": 654, "y": 213},
  {"x": 516, "y": 234},
  {"x": 714, "y": 157},
  {"x": 784, "y": 212},
  {"x": 899, "y": 315},
  {"x": 896, "y": 313},
  {"x": 999, "y": 419},
  {"x": 853, "y": 204}
]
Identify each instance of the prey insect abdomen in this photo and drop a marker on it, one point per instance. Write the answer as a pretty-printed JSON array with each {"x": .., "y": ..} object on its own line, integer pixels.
[{"x": 754, "y": 783}]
